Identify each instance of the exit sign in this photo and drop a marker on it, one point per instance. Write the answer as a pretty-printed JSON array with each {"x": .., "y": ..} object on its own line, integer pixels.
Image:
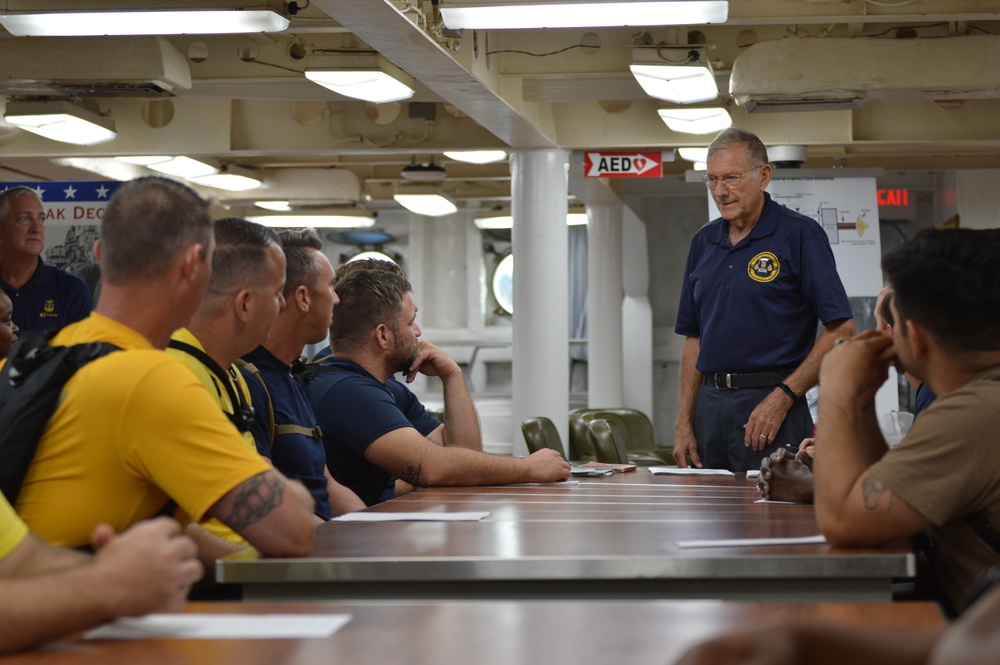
[
  {"x": 896, "y": 203},
  {"x": 623, "y": 164}
]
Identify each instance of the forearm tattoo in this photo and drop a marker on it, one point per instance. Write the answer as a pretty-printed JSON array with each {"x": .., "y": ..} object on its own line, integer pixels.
[
  {"x": 872, "y": 491},
  {"x": 256, "y": 499},
  {"x": 411, "y": 475}
]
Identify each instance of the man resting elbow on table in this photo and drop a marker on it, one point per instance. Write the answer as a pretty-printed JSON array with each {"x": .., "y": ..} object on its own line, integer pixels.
[
  {"x": 945, "y": 475},
  {"x": 374, "y": 429}
]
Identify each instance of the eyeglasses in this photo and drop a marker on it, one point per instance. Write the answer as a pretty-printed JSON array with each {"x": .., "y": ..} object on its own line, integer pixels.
[{"x": 729, "y": 181}]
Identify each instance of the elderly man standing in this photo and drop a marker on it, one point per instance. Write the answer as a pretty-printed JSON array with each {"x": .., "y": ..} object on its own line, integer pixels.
[
  {"x": 757, "y": 281},
  {"x": 44, "y": 297}
]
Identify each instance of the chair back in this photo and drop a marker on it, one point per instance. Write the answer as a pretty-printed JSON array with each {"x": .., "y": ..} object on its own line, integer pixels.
[
  {"x": 607, "y": 442},
  {"x": 541, "y": 433}
]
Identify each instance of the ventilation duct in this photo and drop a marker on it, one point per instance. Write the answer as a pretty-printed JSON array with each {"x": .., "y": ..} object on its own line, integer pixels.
[
  {"x": 305, "y": 188},
  {"x": 92, "y": 67},
  {"x": 832, "y": 73}
]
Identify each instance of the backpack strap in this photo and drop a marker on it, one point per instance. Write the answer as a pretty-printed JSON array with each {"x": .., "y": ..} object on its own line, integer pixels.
[
  {"x": 243, "y": 413},
  {"x": 250, "y": 367},
  {"x": 31, "y": 388}
]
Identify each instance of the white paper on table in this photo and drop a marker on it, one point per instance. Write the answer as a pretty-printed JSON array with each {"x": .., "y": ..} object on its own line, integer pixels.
[
  {"x": 752, "y": 542},
  {"x": 678, "y": 471},
  {"x": 787, "y": 503},
  {"x": 753, "y": 474},
  {"x": 221, "y": 627},
  {"x": 412, "y": 517}
]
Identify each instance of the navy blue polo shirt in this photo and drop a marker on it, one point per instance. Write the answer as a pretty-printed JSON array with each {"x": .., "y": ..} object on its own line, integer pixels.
[
  {"x": 52, "y": 298},
  {"x": 354, "y": 409},
  {"x": 756, "y": 306},
  {"x": 295, "y": 455}
]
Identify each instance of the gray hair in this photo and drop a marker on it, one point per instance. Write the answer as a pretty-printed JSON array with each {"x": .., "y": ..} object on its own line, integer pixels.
[{"x": 734, "y": 136}]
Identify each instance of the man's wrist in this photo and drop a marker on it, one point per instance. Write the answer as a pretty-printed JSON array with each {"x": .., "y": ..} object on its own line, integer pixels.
[{"x": 788, "y": 391}]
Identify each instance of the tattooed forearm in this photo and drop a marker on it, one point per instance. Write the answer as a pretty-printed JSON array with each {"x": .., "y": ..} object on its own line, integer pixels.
[
  {"x": 872, "y": 491},
  {"x": 255, "y": 499},
  {"x": 411, "y": 475}
]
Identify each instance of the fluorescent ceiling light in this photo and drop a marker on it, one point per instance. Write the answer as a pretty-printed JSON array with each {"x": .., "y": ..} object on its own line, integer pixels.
[
  {"x": 231, "y": 178},
  {"x": 184, "y": 167},
  {"x": 679, "y": 75},
  {"x": 75, "y": 18},
  {"x": 694, "y": 154},
  {"x": 497, "y": 15},
  {"x": 276, "y": 206},
  {"x": 506, "y": 221},
  {"x": 61, "y": 121},
  {"x": 314, "y": 221},
  {"x": 696, "y": 121},
  {"x": 145, "y": 160},
  {"x": 476, "y": 156},
  {"x": 367, "y": 76},
  {"x": 424, "y": 200}
]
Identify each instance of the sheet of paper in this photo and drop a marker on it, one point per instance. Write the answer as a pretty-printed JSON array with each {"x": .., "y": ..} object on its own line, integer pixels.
[
  {"x": 753, "y": 474},
  {"x": 677, "y": 471},
  {"x": 221, "y": 627},
  {"x": 787, "y": 503},
  {"x": 753, "y": 542},
  {"x": 411, "y": 517}
]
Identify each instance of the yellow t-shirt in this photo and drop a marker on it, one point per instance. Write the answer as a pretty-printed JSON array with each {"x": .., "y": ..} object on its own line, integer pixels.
[
  {"x": 221, "y": 396},
  {"x": 133, "y": 429},
  {"x": 12, "y": 530}
]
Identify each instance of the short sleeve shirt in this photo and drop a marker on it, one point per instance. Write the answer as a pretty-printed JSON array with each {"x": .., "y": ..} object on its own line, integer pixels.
[
  {"x": 50, "y": 299},
  {"x": 756, "y": 306},
  {"x": 947, "y": 467},
  {"x": 295, "y": 455},
  {"x": 13, "y": 531},
  {"x": 354, "y": 409}
]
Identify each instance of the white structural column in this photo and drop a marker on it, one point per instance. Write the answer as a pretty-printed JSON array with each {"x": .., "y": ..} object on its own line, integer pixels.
[
  {"x": 605, "y": 382},
  {"x": 637, "y": 316},
  {"x": 540, "y": 382}
]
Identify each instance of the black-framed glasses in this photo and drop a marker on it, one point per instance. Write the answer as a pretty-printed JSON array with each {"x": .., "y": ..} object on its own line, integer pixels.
[{"x": 730, "y": 181}]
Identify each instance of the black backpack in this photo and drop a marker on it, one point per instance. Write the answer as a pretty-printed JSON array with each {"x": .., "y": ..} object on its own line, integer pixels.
[{"x": 31, "y": 384}]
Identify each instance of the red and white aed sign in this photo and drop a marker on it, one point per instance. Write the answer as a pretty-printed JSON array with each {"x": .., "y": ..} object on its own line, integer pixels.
[{"x": 623, "y": 164}]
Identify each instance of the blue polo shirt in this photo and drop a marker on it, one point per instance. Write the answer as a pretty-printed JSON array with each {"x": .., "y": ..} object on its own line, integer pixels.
[
  {"x": 354, "y": 409},
  {"x": 52, "y": 298},
  {"x": 756, "y": 306},
  {"x": 295, "y": 455}
]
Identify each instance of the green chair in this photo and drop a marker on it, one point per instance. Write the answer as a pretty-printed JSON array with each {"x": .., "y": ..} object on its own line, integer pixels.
[
  {"x": 540, "y": 433},
  {"x": 637, "y": 433},
  {"x": 580, "y": 446},
  {"x": 608, "y": 443}
]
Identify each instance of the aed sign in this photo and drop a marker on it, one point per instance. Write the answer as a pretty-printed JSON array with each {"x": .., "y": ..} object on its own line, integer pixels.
[{"x": 623, "y": 164}]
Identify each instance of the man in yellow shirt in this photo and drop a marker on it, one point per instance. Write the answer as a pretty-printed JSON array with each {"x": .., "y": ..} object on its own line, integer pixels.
[
  {"x": 136, "y": 428},
  {"x": 243, "y": 299},
  {"x": 49, "y": 591}
]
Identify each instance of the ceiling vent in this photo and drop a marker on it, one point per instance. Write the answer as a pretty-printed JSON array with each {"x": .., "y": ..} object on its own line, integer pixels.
[
  {"x": 423, "y": 172},
  {"x": 92, "y": 67},
  {"x": 817, "y": 73}
]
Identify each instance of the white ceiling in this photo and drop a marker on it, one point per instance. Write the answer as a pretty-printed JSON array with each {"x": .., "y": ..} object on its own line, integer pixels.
[{"x": 924, "y": 70}]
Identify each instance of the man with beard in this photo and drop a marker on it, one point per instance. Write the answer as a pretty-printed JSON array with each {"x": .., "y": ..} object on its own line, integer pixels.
[{"x": 374, "y": 428}]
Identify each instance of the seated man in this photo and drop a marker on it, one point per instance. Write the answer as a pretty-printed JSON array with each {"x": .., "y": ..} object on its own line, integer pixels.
[
  {"x": 374, "y": 428},
  {"x": 943, "y": 475},
  {"x": 49, "y": 591},
  {"x": 8, "y": 329},
  {"x": 135, "y": 428},
  {"x": 784, "y": 477},
  {"x": 284, "y": 425},
  {"x": 236, "y": 314}
]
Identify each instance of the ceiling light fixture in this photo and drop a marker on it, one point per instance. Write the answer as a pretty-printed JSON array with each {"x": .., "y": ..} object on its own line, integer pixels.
[
  {"x": 696, "y": 121},
  {"x": 526, "y": 14},
  {"x": 61, "y": 121},
  {"x": 276, "y": 206},
  {"x": 314, "y": 221},
  {"x": 424, "y": 199},
  {"x": 694, "y": 154},
  {"x": 423, "y": 172},
  {"x": 477, "y": 156},
  {"x": 231, "y": 178},
  {"x": 77, "y": 18},
  {"x": 367, "y": 76},
  {"x": 184, "y": 167},
  {"x": 507, "y": 222},
  {"x": 681, "y": 75}
]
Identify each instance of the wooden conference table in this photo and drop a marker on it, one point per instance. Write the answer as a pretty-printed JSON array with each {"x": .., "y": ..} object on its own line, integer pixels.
[
  {"x": 485, "y": 633},
  {"x": 603, "y": 538}
]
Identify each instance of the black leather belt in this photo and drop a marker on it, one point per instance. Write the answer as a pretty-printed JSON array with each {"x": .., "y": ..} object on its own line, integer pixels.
[{"x": 735, "y": 381}]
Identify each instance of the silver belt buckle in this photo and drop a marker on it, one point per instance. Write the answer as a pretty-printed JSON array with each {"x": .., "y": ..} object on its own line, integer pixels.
[{"x": 728, "y": 382}]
